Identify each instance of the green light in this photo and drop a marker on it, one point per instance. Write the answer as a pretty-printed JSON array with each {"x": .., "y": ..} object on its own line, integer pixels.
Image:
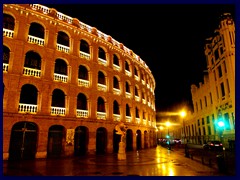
[
  {"x": 220, "y": 123},
  {"x": 167, "y": 136}
]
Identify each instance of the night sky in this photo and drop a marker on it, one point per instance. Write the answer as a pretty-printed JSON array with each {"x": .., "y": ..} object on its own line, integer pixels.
[{"x": 169, "y": 38}]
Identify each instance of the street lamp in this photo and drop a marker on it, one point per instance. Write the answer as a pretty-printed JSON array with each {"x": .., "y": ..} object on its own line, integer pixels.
[
  {"x": 183, "y": 114},
  {"x": 168, "y": 124}
]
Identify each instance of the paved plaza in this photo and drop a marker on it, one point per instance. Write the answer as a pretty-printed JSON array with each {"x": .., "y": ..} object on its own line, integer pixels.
[{"x": 157, "y": 161}]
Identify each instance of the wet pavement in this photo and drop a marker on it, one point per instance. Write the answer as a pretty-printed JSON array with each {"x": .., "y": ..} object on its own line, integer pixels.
[{"x": 157, "y": 161}]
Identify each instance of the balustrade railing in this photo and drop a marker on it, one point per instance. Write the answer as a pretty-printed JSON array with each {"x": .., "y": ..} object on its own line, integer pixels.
[
  {"x": 8, "y": 33},
  {"x": 144, "y": 122},
  {"x": 84, "y": 55},
  {"x": 116, "y": 67},
  {"x": 138, "y": 120},
  {"x": 63, "y": 48},
  {"x": 60, "y": 77},
  {"x": 128, "y": 73},
  {"x": 31, "y": 72},
  {"x": 136, "y": 78},
  {"x": 116, "y": 117},
  {"x": 137, "y": 98},
  {"x": 83, "y": 82},
  {"x": 128, "y": 119},
  {"x": 102, "y": 87},
  {"x": 101, "y": 115},
  {"x": 128, "y": 95},
  {"x": 102, "y": 61},
  {"x": 116, "y": 91},
  {"x": 27, "y": 108},
  {"x": 82, "y": 113},
  {"x": 5, "y": 67},
  {"x": 39, "y": 7},
  {"x": 58, "y": 111},
  {"x": 36, "y": 40},
  {"x": 64, "y": 17}
]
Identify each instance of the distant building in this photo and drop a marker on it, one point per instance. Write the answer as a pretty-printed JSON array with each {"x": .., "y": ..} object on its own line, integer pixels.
[
  {"x": 214, "y": 99},
  {"x": 66, "y": 85}
]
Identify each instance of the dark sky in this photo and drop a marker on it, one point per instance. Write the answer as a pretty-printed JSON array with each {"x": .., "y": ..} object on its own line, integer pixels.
[{"x": 169, "y": 38}]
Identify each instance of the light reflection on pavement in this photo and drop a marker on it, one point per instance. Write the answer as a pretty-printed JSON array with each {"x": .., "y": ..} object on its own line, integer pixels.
[{"x": 150, "y": 162}]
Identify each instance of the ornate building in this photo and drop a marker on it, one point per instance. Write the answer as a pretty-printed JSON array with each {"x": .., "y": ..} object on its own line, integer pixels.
[
  {"x": 66, "y": 85},
  {"x": 214, "y": 100}
]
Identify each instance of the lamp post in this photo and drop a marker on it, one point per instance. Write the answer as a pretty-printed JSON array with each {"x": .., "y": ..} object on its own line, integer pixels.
[
  {"x": 183, "y": 114},
  {"x": 168, "y": 124}
]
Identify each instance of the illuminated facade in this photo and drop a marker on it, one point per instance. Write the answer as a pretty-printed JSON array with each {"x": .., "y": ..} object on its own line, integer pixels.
[
  {"x": 214, "y": 100},
  {"x": 66, "y": 85}
]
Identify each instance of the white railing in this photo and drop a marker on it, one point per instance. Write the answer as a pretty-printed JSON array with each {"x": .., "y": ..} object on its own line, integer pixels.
[
  {"x": 128, "y": 119},
  {"x": 58, "y": 111},
  {"x": 101, "y": 115},
  {"x": 144, "y": 122},
  {"x": 143, "y": 82},
  {"x": 83, "y": 82},
  {"x": 102, "y": 61},
  {"x": 128, "y": 95},
  {"x": 82, "y": 113},
  {"x": 36, "y": 40},
  {"x": 116, "y": 91},
  {"x": 39, "y": 7},
  {"x": 8, "y": 33},
  {"x": 64, "y": 17},
  {"x": 84, "y": 55},
  {"x": 148, "y": 86},
  {"x": 27, "y": 108},
  {"x": 63, "y": 48},
  {"x": 136, "y": 78},
  {"x": 31, "y": 72},
  {"x": 5, "y": 67},
  {"x": 116, "y": 67},
  {"x": 149, "y": 123},
  {"x": 116, "y": 117},
  {"x": 138, "y": 120},
  {"x": 128, "y": 73},
  {"x": 102, "y": 35},
  {"x": 102, "y": 87},
  {"x": 137, "y": 98},
  {"x": 85, "y": 26},
  {"x": 153, "y": 124},
  {"x": 149, "y": 104},
  {"x": 60, "y": 77},
  {"x": 144, "y": 101}
]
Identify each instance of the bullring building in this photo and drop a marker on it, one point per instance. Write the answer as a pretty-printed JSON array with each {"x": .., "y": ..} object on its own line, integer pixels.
[{"x": 66, "y": 85}]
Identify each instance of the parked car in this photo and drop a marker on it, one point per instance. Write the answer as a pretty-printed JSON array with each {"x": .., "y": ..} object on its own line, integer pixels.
[
  {"x": 177, "y": 141},
  {"x": 213, "y": 145}
]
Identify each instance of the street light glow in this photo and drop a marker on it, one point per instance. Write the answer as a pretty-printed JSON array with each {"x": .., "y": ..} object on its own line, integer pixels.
[
  {"x": 183, "y": 113},
  {"x": 168, "y": 123}
]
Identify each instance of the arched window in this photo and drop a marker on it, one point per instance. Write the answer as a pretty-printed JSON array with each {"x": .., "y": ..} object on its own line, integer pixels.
[
  {"x": 127, "y": 68},
  {"x": 115, "y": 60},
  {"x": 137, "y": 113},
  {"x": 58, "y": 98},
  {"x": 36, "y": 30},
  {"x": 63, "y": 38},
  {"x": 6, "y": 54},
  {"x": 115, "y": 107},
  {"x": 82, "y": 72},
  {"x": 127, "y": 87},
  {"x": 128, "y": 110},
  {"x": 32, "y": 60},
  {"x": 84, "y": 47},
  {"x": 81, "y": 102},
  {"x": 8, "y": 22},
  {"x": 135, "y": 71},
  {"x": 101, "y": 78},
  {"x": 100, "y": 105},
  {"x": 136, "y": 91},
  {"x": 101, "y": 53},
  {"x": 115, "y": 83},
  {"x": 28, "y": 94},
  {"x": 60, "y": 67}
]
